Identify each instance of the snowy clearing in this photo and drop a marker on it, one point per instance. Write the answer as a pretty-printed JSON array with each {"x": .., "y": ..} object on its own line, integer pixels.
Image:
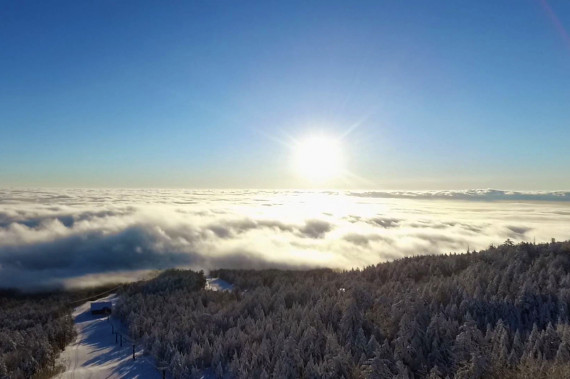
[
  {"x": 94, "y": 353},
  {"x": 217, "y": 284}
]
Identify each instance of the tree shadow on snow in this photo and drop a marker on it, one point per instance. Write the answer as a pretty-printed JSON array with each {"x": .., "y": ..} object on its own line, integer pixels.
[{"x": 98, "y": 335}]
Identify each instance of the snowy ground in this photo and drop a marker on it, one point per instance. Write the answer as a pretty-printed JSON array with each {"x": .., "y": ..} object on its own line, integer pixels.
[
  {"x": 217, "y": 284},
  {"x": 94, "y": 353}
]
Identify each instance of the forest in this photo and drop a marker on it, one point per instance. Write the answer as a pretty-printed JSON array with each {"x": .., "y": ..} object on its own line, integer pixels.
[
  {"x": 35, "y": 328},
  {"x": 502, "y": 312},
  {"x": 498, "y": 313}
]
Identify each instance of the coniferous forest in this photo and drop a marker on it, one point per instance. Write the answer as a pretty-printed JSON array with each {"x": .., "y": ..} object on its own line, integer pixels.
[
  {"x": 35, "y": 328},
  {"x": 33, "y": 331},
  {"x": 498, "y": 313}
]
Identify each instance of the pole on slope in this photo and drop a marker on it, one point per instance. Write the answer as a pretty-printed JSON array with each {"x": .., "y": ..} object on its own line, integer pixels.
[
  {"x": 116, "y": 337},
  {"x": 163, "y": 373},
  {"x": 133, "y": 352},
  {"x": 121, "y": 340}
]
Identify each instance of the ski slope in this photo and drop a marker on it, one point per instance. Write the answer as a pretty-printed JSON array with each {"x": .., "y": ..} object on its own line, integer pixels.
[{"x": 94, "y": 353}]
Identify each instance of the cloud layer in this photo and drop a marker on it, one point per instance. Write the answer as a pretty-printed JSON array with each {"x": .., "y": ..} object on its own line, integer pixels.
[
  {"x": 474, "y": 194},
  {"x": 79, "y": 237}
]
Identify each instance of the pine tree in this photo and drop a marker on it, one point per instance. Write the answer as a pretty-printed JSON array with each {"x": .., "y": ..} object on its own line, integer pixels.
[
  {"x": 403, "y": 372},
  {"x": 219, "y": 370},
  {"x": 435, "y": 373},
  {"x": 531, "y": 350},
  {"x": 379, "y": 368},
  {"x": 310, "y": 371},
  {"x": 3, "y": 369},
  {"x": 371, "y": 346},
  {"x": 517, "y": 349},
  {"x": 550, "y": 340},
  {"x": 499, "y": 347},
  {"x": 563, "y": 352},
  {"x": 177, "y": 365},
  {"x": 351, "y": 322}
]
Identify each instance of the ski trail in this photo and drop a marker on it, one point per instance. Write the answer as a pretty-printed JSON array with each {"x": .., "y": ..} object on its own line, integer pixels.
[{"x": 94, "y": 353}]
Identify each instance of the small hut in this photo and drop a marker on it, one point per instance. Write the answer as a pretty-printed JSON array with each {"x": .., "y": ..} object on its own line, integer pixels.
[{"x": 101, "y": 308}]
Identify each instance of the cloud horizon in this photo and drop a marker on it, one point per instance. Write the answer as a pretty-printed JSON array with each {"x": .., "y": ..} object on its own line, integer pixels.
[{"x": 75, "y": 237}]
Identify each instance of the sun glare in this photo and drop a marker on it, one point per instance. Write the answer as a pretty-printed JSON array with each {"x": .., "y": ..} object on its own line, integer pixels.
[{"x": 318, "y": 158}]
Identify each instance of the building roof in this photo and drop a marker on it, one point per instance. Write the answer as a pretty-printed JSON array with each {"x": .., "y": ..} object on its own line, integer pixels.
[{"x": 100, "y": 305}]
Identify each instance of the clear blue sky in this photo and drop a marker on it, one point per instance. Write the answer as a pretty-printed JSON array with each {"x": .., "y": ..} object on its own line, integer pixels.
[{"x": 446, "y": 94}]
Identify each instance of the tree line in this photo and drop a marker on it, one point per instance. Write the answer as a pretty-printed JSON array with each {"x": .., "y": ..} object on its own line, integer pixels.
[{"x": 502, "y": 312}]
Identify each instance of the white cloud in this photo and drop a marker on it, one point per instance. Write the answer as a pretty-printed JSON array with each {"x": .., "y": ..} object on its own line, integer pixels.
[{"x": 81, "y": 236}]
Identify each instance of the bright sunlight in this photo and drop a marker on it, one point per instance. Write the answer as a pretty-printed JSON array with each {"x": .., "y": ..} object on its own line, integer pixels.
[{"x": 318, "y": 158}]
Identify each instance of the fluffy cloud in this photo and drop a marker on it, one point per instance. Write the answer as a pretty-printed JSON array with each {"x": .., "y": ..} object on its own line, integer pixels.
[{"x": 80, "y": 237}]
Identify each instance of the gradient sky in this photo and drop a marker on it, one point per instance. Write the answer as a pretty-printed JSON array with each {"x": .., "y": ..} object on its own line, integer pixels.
[{"x": 437, "y": 95}]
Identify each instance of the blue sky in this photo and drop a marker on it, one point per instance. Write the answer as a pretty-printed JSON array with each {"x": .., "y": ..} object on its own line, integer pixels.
[{"x": 446, "y": 95}]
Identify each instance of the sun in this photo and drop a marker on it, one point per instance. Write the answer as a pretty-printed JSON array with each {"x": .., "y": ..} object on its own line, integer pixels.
[{"x": 318, "y": 158}]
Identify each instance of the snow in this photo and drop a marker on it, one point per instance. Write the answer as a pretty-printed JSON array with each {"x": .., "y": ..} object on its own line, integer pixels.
[
  {"x": 94, "y": 353},
  {"x": 217, "y": 284}
]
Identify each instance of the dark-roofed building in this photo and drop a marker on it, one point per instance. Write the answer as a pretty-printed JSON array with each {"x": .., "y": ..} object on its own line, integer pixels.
[{"x": 101, "y": 307}]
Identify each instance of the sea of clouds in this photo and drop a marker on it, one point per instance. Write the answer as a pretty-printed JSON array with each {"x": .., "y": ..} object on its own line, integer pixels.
[{"x": 79, "y": 237}]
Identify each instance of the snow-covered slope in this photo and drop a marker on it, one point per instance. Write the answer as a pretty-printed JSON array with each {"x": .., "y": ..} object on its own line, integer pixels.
[
  {"x": 217, "y": 284},
  {"x": 94, "y": 353}
]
